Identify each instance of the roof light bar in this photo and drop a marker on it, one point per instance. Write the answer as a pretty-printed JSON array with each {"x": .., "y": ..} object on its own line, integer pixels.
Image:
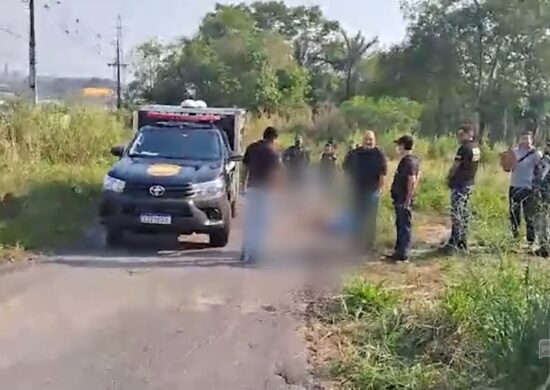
[{"x": 182, "y": 117}]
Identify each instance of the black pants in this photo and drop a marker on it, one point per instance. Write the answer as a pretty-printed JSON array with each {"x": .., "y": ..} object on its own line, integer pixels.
[
  {"x": 403, "y": 229},
  {"x": 522, "y": 200},
  {"x": 366, "y": 211}
]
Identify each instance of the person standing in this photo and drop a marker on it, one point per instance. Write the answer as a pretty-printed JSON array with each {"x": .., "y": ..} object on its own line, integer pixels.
[
  {"x": 403, "y": 190},
  {"x": 327, "y": 165},
  {"x": 296, "y": 160},
  {"x": 521, "y": 186},
  {"x": 367, "y": 168},
  {"x": 461, "y": 179},
  {"x": 261, "y": 167},
  {"x": 541, "y": 193}
]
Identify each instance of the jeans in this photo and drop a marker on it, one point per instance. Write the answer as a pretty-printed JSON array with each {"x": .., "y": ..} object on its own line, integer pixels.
[
  {"x": 366, "y": 208},
  {"x": 255, "y": 221},
  {"x": 403, "y": 229},
  {"x": 521, "y": 199},
  {"x": 460, "y": 216}
]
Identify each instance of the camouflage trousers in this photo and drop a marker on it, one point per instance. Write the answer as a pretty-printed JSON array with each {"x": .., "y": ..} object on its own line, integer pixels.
[
  {"x": 460, "y": 217},
  {"x": 543, "y": 223}
]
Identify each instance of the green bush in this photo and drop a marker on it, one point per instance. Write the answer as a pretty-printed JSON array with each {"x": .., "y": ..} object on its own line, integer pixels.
[{"x": 382, "y": 115}]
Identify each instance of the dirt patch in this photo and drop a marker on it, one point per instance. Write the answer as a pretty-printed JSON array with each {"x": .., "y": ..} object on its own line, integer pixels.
[{"x": 431, "y": 230}]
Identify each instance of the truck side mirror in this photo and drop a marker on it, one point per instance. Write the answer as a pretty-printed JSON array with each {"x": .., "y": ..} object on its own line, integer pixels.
[
  {"x": 235, "y": 157},
  {"x": 117, "y": 151}
]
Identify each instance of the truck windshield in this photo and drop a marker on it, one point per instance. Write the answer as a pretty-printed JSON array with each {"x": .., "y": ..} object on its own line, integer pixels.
[{"x": 177, "y": 143}]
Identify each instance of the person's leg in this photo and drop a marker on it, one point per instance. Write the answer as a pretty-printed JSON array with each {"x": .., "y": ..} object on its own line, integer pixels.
[
  {"x": 250, "y": 218},
  {"x": 514, "y": 197},
  {"x": 371, "y": 219},
  {"x": 397, "y": 229},
  {"x": 404, "y": 218},
  {"x": 529, "y": 215},
  {"x": 464, "y": 218},
  {"x": 453, "y": 240},
  {"x": 255, "y": 223}
]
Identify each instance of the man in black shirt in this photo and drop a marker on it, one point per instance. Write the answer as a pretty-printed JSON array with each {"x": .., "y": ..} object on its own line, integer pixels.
[
  {"x": 403, "y": 190},
  {"x": 367, "y": 168},
  {"x": 461, "y": 179},
  {"x": 327, "y": 164},
  {"x": 296, "y": 160},
  {"x": 261, "y": 166}
]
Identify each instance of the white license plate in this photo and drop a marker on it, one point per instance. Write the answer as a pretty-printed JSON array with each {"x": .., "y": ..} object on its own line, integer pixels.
[{"x": 150, "y": 219}]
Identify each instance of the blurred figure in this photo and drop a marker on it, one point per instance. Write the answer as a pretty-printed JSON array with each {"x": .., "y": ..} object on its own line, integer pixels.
[
  {"x": 461, "y": 179},
  {"x": 541, "y": 192},
  {"x": 327, "y": 165},
  {"x": 521, "y": 186},
  {"x": 296, "y": 160},
  {"x": 367, "y": 168},
  {"x": 261, "y": 167},
  {"x": 403, "y": 190}
]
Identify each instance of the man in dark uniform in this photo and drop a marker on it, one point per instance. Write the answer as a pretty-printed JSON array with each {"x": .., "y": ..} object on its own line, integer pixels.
[
  {"x": 461, "y": 179},
  {"x": 327, "y": 164},
  {"x": 367, "y": 168},
  {"x": 403, "y": 190},
  {"x": 261, "y": 165},
  {"x": 296, "y": 160}
]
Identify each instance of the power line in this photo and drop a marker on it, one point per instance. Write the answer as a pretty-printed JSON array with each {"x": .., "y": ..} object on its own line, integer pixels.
[
  {"x": 118, "y": 65},
  {"x": 32, "y": 53}
]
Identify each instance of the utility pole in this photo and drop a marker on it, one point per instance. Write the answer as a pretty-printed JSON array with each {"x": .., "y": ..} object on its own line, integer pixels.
[
  {"x": 32, "y": 54},
  {"x": 118, "y": 65}
]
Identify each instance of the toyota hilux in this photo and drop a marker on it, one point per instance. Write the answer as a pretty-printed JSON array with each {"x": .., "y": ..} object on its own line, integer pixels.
[{"x": 179, "y": 174}]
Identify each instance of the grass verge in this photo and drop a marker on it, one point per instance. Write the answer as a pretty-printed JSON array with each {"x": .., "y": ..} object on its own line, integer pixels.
[{"x": 435, "y": 326}]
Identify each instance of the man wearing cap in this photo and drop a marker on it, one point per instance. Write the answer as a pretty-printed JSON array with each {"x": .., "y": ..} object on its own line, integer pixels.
[
  {"x": 403, "y": 190},
  {"x": 367, "y": 168},
  {"x": 521, "y": 199},
  {"x": 461, "y": 179}
]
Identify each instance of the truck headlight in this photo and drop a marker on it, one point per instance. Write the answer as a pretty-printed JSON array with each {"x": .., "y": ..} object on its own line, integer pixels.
[
  {"x": 210, "y": 189},
  {"x": 113, "y": 184}
]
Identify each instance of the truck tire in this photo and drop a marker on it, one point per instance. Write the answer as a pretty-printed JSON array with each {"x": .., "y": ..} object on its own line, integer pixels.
[
  {"x": 114, "y": 237},
  {"x": 219, "y": 238}
]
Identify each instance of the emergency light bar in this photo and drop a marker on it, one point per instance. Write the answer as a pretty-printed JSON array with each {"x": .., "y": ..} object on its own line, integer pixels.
[{"x": 182, "y": 117}]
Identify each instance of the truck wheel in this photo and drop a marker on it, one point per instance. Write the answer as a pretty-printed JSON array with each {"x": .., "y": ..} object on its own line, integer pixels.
[
  {"x": 219, "y": 238},
  {"x": 114, "y": 237}
]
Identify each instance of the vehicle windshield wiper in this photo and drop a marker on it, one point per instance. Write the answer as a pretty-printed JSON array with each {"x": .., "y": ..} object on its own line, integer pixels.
[{"x": 144, "y": 154}]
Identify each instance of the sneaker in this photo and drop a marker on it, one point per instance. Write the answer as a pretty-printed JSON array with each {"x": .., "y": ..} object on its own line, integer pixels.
[
  {"x": 397, "y": 258},
  {"x": 542, "y": 252}
]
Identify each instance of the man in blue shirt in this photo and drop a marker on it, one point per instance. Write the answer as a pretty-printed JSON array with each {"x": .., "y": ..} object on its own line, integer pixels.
[{"x": 521, "y": 186}]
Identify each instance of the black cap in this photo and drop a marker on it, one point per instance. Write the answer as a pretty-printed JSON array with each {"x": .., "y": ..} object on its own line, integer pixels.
[{"x": 406, "y": 141}]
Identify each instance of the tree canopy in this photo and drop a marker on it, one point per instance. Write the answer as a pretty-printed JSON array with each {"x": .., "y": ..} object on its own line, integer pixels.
[{"x": 485, "y": 61}]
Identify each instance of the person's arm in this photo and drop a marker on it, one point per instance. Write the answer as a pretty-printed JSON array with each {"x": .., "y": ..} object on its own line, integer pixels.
[
  {"x": 383, "y": 172},
  {"x": 245, "y": 167},
  {"x": 413, "y": 178}
]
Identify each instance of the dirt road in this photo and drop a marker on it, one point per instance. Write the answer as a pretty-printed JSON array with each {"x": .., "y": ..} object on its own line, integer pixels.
[{"x": 147, "y": 319}]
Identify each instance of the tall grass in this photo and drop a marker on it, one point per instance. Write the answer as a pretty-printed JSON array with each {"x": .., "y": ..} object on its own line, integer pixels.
[
  {"x": 53, "y": 160},
  {"x": 57, "y": 135},
  {"x": 482, "y": 332}
]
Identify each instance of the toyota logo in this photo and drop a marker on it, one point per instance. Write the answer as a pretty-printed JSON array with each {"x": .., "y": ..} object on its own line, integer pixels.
[{"x": 157, "y": 191}]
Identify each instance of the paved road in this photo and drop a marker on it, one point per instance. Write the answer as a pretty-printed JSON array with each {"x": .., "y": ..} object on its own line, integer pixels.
[{"x": 147, "y": 319}]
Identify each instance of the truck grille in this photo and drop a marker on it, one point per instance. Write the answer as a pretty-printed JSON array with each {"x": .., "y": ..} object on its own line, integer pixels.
[
  {"x": 180, "y": 210},
  {"x": 170, "y": 192}
]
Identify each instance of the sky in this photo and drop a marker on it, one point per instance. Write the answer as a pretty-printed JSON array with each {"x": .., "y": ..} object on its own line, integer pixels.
[{"x": 75, "y": 37}]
